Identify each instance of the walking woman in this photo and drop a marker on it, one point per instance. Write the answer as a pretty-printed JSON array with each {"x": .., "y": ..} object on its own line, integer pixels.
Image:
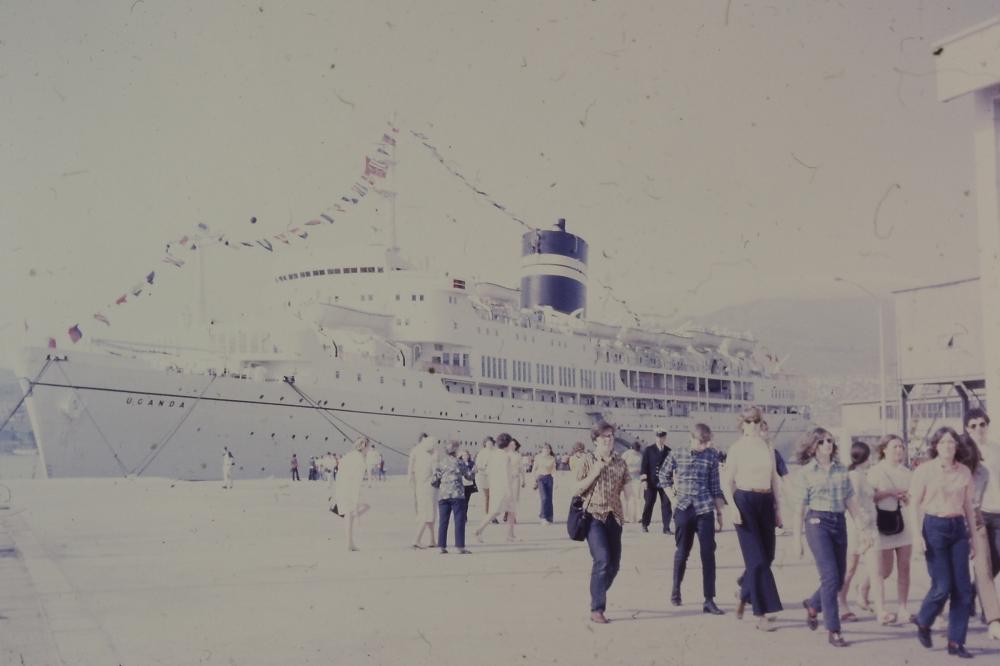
[
  {"x": 865, "y": 554},
  {"x": 942, "y": 502},
  {"x": 826, "y": 492},
  {"x": 602, "y": 481},
  {"x": 752, "y": 489},
  {"x": 423, "y": 459},
  {"x": 349, "y": 504},
  {"x": 501, "y": 479},
  {"x": 544, "y": 466},
  {"x": 890, "y": 480},
  {"x": 449, "y": 474}
]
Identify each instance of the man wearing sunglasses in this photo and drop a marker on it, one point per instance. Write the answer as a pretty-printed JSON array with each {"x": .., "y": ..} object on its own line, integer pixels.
[
  {"x": 652, "y": 458},
  {"x": 987, "y": 530}
]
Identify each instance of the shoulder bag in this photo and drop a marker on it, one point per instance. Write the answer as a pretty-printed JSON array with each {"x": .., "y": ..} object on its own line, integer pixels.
[{"x": 889, "y": 522}]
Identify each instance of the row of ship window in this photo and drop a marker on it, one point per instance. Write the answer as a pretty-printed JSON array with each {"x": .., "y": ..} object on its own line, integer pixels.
[{"x": 331, "y": 271}]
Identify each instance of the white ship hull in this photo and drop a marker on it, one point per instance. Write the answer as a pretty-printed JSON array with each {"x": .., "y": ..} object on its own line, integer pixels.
[{"x": 97, "y": 415}]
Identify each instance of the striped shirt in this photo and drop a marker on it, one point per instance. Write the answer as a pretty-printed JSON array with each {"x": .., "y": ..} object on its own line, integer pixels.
[
  {"x": 825, "y": 489},
  {"x": 695, "y": 477},
  {"x": 605, "y": 494}
]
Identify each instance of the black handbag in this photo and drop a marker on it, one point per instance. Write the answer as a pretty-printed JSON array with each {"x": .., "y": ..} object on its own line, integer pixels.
[
  {"x": 578, "y": 521},
  {"x": 889, "y": 522}
]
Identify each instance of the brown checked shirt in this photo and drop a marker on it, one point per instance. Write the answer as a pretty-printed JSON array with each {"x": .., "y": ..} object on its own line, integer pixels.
[{"x": 605, "y": 495}]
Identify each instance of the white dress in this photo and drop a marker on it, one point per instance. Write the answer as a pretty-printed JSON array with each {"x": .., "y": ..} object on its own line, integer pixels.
[
  {"x": 888, "y": 476},
  {"x": 501, "y": 481},
  {"x": 865, "y": 496},
  {"x": 426, "y": 494},
  {"x": 349, "y": 476}
]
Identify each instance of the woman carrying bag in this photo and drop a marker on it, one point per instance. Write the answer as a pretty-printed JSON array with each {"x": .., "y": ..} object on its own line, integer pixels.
[{"x": 602, "y": 480}]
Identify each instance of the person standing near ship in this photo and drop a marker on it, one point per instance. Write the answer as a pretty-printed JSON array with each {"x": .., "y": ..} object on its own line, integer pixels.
[
  {"x": 422, "y": 461},
  {"x": 633, "y": 458},
  {"x": 482, "y": 471},
  {"x": 649, "y": 470},
  {"x": 227, "y": 467},
  {"x": 295, "y": 467},
  {"x": 348, "y": 497},
  {"x": 543, "y": 467}
]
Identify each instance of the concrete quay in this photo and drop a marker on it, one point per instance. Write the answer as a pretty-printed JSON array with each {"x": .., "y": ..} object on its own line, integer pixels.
[{"x": 154, "y": 571}]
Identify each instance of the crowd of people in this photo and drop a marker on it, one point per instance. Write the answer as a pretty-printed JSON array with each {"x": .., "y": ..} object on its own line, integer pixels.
[{"x": 862, "y": 521}]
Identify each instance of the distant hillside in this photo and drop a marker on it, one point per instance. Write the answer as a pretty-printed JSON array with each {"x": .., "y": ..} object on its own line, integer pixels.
[
  {"x": 832, "y": 343},
  {"x": 825, "y": 337}
]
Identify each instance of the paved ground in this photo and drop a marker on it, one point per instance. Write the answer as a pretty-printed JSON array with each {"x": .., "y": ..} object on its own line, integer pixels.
[{"x": 152, "y": 571}]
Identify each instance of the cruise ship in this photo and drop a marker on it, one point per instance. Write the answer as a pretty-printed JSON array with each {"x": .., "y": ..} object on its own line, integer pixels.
[{"x": 358, "y": 342}]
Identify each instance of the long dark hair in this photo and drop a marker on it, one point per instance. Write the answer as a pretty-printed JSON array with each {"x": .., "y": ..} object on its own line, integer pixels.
[
  {"x": 859, "y": 454},
  {"x": 807, "y": 446},
  {"x": 936, "y": 437}
]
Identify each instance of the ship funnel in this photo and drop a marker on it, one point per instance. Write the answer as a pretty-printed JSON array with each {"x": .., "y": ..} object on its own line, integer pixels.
[{"x": 554, "y": 270}]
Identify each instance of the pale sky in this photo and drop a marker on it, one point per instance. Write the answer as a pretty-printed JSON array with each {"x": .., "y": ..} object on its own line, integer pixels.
[{"x": 712, "y": 153}]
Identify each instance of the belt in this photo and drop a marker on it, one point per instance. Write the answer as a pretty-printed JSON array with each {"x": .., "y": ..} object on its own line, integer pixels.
[{"x": 755, "y": 490}]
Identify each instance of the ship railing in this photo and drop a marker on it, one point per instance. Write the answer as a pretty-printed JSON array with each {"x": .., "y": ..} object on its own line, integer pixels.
[{"x": 442, "y": 369}]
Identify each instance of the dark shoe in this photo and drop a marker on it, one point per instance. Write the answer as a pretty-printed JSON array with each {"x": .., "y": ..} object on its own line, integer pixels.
[
  {"x": 597, "y": 617},
  {"x": 923, "y": 635},
  {"x": 645, "y": 528},
  {"x": 666, "y": 530},
  {"x": 740, "y": 607},
  {"x": 811, "y": 616},
  {"x": 675, "y": 598},
  {"x": 444, "y": 551},
  {"x": 335, "y": 512},
  {"x": 958, "y": 651},
  {"x": 711, "y": 608},
  {"x": 836, "y": 640}
]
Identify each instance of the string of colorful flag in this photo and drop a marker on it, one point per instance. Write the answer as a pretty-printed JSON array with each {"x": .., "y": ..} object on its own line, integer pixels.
[
  {"x": 376, "y": 169},
  {"x": 425, "y": 140}
]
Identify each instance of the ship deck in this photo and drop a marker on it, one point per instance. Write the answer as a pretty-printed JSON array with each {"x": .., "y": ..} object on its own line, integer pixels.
[{"x": 153, "y": 571}]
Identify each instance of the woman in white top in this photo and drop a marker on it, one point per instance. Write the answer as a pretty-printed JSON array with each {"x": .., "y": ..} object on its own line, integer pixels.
[
  {"x": 752, "y": 489},
  {"x": 890, "y": 480},
  {"x": 633, "y": 459},
  {"x": 501, "y": 477},
  {"x": 423, "y": 459},
  {"x": 858, "y": 551},
  {"x": 348, "y": 495}
]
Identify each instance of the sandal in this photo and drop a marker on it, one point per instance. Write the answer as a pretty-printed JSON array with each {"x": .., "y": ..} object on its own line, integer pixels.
[
  {"x": 848, "y": 617},
  {"x": 887, "y": 618},
  {"x": 866, "y": 606},
  {"x": 811, "y": 616}
]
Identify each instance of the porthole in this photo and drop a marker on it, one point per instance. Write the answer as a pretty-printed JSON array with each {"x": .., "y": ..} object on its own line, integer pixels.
[
  {"x": 281, "y": 398},
  {"x": 272, "y": 435},
  {"x": 293, "y": 436},
  {"x": 261, "y": 397}
]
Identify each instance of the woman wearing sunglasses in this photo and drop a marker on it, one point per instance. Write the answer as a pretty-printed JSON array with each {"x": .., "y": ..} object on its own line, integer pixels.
[
  {"x": 942, "y": 501},
  {"x": 751, "y": 486},
  {"x": 826, "y": 492}
]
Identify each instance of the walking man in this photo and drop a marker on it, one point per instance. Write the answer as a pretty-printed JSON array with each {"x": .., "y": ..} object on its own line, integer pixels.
[
  {"x": 692, "y": 474},
  {"x": 652, "y": 458}
]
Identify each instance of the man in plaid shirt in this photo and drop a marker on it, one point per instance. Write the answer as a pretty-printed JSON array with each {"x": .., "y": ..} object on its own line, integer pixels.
[{"x": 692, "y": 475}]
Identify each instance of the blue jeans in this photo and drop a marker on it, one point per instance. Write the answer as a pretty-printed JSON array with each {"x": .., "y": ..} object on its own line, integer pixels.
[
  {"x": 545, "y": 491},
  {"x": 826, "y": 533},
  {"x": 605, "y": 542},
  {"x": 947, "y": 541},
  {"x": 446, "y": 507},
  {"x": 688, "y": 525}
]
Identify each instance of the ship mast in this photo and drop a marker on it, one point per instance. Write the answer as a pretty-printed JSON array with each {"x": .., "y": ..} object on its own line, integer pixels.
[{"x": 393, "y": 261}]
